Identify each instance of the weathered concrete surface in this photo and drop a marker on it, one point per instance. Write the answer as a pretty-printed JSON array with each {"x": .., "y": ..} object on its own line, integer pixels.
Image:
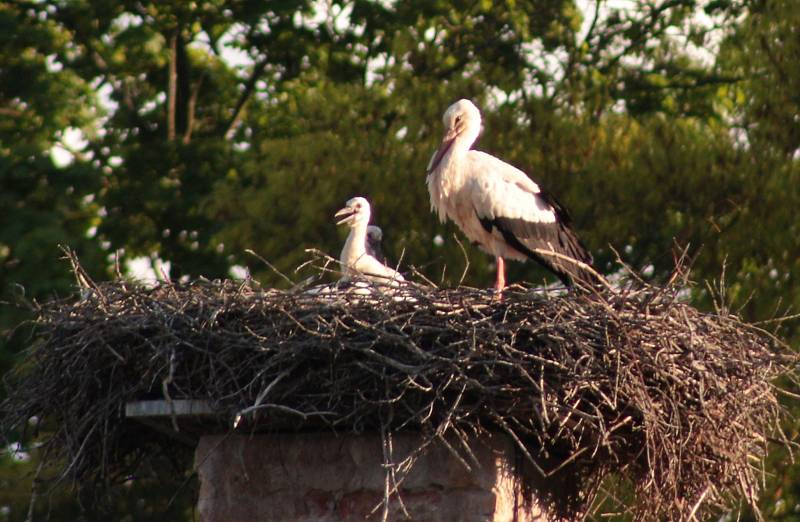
[{"x": 322, "y": 478}]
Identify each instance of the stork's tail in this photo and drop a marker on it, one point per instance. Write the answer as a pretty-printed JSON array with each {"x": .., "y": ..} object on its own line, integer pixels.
[{"x": 574, "y": 271}]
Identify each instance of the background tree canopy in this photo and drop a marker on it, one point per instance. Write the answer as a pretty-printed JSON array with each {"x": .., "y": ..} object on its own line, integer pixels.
[{"x": 188, "y": 132}]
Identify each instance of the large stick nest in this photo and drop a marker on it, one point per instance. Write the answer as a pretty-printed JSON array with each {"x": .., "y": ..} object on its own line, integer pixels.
[{"x": 635, "y": 384}]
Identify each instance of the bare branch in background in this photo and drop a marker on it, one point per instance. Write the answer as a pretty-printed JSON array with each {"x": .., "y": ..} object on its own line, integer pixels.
[
  {"x": 172, "y": 83},
  {"x": 249, "y": 87}
]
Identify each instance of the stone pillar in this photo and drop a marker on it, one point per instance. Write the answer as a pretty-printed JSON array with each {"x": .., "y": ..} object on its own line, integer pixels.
[{"x": 322, "y": 477}]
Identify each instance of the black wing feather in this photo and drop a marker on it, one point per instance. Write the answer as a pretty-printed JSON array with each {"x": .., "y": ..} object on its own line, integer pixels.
[{"x": 528, "y": 236}]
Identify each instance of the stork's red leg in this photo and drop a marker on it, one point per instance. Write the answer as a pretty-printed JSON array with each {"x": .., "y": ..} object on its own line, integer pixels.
[{"x": 500, "y": 283}]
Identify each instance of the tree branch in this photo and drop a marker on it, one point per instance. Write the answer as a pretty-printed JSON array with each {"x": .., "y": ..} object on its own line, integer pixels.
[
  {"x": 648, "y": 29},
  {"x": 258, "y": 70},
  {"x": 190, "y": 109},
  {"x": 693, "y": 84},
  {"x": 592, "y": 27},
  {"x": 772, "y": 58},
  {"x": 172, "y": 84},
  {"x": 7, "y": 111}
]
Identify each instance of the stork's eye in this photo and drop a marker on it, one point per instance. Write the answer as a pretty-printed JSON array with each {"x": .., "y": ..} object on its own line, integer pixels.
[{"x": 458, "y": 119}]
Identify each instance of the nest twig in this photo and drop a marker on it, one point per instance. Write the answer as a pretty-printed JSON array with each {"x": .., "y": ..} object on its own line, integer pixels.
[{"x": 634, "y": 383}]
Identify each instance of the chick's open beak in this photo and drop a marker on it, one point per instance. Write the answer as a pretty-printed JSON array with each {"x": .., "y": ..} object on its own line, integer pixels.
[{"x": 347, "y": 214}]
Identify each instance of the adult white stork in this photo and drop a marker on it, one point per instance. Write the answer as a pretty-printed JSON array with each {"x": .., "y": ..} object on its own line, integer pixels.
[
  {"x": 354, "y": 257},
  {"x": 499, "y": 207}
]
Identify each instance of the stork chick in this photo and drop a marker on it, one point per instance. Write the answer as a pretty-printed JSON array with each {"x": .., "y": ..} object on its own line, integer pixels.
[
  {"x": 354, "y": 257},
  {"x": 374, "y": 240}
]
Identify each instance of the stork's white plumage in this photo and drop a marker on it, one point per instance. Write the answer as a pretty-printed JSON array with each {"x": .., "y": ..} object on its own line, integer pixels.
[
  {"x": 354, "y": 257},
  {"x": 498, "y": 206}
]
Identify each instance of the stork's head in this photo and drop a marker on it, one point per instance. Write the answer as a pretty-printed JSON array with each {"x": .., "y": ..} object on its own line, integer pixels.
[
  {"x": 462, "y": 124},
  {"x": 374, "y": 234},
  {"x": 461, "y": 118},
  {"x": 355, "y": 212}
]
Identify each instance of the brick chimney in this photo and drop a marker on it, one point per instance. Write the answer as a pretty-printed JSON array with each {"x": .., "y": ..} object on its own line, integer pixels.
[{"x": 323, "y": 477}]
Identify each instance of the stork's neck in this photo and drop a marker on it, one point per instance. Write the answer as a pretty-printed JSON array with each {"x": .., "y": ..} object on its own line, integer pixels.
[
  {"x": 355, "y": 245},
  {"x": 449, "y": 177},
  {"x": 450, "y": 170},
  {"x": 467, "y": 135}
]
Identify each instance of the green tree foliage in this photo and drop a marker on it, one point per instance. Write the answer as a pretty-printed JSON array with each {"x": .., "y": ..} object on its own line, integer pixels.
[
  {"x": 42, "y": 204},
  {"x": 659, "y": 124},
  {"x": 764, "y": 109}
]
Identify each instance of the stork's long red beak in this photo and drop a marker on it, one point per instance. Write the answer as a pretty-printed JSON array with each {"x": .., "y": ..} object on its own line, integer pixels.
[{"x": 447, "y": 142}]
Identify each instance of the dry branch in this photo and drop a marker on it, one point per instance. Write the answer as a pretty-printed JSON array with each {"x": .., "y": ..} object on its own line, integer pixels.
[{"x": 634, "y": 383}]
